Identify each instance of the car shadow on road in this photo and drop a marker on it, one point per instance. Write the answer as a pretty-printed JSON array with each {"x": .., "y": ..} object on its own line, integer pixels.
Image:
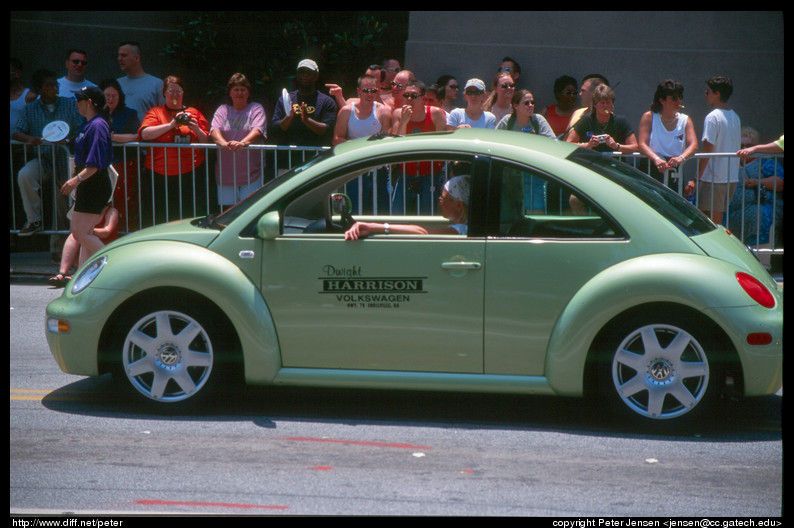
[{"x": 750, "y": 420}]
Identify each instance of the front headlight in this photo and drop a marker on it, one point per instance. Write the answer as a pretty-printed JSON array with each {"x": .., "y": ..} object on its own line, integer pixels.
[{"x": 88, "y": 275}]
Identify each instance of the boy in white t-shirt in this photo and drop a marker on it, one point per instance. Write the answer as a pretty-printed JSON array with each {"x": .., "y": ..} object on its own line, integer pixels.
[{"x": 718, "y": 176}]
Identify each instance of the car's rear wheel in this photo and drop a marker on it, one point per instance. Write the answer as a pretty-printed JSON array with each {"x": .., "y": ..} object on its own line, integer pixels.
[
  {"x": 172, "y": 352},
  {"x": 658, "y": 369}
]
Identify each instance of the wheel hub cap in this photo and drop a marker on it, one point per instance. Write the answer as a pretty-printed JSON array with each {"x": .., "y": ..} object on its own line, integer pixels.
[
  {"x": 168, "y": 355},
  {"x": 660, "y": 371}
]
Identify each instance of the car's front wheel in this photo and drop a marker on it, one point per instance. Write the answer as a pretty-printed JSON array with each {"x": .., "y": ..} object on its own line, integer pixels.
[
  {"x": 658, "y": 368},
  {"x": 171, "y": 352}
]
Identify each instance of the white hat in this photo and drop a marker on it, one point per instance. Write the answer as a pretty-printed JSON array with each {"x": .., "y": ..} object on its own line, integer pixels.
[
  {"x": 459, "y": 188},
  {"x": 475, "y": 83},
  {"x": 308, "y": 63}
]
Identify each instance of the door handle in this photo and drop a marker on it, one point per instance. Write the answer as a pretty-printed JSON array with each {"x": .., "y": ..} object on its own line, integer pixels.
[{"x": 461, "y": 265}]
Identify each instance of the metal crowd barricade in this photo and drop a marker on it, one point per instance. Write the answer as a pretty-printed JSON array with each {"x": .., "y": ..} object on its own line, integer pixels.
[{"x": 275, "y": 159}]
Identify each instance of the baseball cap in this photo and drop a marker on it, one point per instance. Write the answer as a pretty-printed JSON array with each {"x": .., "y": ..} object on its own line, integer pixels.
[
  {"x": 475, "y": 83},
  {"x": 309, "y": 64}
]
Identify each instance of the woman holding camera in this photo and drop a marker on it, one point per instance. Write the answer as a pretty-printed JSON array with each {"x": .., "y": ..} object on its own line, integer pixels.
[
  {"x": 600, "y": 129},
  {"x": 173, "y": 171}
]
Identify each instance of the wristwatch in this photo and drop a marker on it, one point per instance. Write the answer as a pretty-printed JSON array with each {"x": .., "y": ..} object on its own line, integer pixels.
[{"x": 386, "y": 228}]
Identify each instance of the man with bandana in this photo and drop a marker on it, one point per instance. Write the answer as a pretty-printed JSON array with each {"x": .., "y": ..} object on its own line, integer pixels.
[{"x": 454, "y": 205}]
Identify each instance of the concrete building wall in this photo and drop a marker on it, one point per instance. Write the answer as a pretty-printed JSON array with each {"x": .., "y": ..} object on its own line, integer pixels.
[
  {"x": 40, "y": 39},
  {"x": 634, "y": 50}
]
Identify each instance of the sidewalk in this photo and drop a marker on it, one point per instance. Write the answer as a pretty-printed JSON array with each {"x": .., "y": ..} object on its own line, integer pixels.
[{"x": 33, "y": 264}]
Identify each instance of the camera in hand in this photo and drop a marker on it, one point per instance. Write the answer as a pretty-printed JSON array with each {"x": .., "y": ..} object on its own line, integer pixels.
[{"x": 182, "y": 118}]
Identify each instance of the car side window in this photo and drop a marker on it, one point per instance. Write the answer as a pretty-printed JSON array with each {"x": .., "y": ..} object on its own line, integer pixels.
[
  {"x": 399, "y": 192},
  {"x": 534, "y": 205}
]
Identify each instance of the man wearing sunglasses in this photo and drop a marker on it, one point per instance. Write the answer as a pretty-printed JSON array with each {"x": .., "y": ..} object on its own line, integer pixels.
[
  {"x": 76, "y": 68},
  {"x": 422, "y": 179},
  {"x": 395, "y": 99},
  {"x": 362, "y": 117}
]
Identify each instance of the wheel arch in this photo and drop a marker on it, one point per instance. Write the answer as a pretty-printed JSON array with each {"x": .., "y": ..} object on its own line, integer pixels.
[
  {"x": 667, "y": 282},
  {"x": 195, "y": 273}
]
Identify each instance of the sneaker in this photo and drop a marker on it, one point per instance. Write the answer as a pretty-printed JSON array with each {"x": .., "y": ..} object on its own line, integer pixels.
[{"x": 30, "y": 228}]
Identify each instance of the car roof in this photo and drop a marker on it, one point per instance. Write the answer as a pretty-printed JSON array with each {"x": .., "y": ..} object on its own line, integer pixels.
[{"x": 499, "y": 142}]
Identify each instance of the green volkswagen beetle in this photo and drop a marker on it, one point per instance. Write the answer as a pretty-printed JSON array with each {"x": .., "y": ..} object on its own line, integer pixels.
[{"x": 561, "y": 272}]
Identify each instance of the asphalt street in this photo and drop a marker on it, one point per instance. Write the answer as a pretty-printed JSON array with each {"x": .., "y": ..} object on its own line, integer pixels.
[{"x": 77, "y": 445}]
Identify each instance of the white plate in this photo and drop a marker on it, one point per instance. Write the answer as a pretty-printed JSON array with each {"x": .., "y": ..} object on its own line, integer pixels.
[
  {"x": 55, "y": 131},
  {"x": 285, "y": 100}
]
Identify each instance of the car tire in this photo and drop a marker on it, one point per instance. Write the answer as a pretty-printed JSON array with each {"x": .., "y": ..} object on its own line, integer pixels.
[
  {"x": 171, "y": 353},
  {"x": 658, "y": 369}
]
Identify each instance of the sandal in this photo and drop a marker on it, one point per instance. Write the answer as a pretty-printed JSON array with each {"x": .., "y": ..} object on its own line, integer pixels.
[{"x": 59, "y": 280}]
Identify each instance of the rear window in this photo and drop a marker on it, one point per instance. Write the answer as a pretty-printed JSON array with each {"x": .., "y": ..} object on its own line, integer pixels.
[{"x": 662, "y": 199}]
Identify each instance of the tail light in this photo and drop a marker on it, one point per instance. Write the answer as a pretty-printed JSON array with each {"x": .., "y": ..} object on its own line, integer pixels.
[{"x": 757, "y": 291}]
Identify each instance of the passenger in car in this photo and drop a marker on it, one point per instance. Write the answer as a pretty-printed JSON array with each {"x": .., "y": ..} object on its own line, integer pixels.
[{"x": 454, "y": 204}]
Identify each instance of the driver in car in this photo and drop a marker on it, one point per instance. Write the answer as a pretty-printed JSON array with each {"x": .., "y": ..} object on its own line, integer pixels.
[{"x": 454, "y": 203}]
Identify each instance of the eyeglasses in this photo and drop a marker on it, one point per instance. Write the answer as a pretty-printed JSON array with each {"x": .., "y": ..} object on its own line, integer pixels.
[
  {"x": 506, "y": 68},
  {"x": 369, "y": 90},
  {"x": 412, "y": 95},
  {"x": 395, "y": 69},
  {"x": 398, "y": 86},
  {"x": 79, "y": 62},
  {"x": 569, "y": 93},
  {"x": 474, "y": 92},
  {"x": 507, "y": 86},
  {"x": 528, "y": 103},
  {"x": 305, "y": 71},
  {"x": 675, "y": 97}
]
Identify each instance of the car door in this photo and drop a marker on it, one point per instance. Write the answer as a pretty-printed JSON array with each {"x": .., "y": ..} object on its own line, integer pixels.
[
  {"x": 387, "y": 302},
  {"x": 543, "y": 246}
]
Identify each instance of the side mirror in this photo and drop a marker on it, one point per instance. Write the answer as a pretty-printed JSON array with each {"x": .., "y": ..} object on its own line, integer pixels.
[
  {"x": 269, "y": 226},
  {"x": 341, "y": 204}
]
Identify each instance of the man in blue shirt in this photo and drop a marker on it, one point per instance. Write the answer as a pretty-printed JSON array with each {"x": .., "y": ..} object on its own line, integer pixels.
[
  {"x": 312, "y": 116},
  {"x": 47, "y": 159}
]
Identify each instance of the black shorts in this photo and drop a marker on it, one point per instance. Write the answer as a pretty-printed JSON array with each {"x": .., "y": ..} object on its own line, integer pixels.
[{"x": 93, "y": 193}]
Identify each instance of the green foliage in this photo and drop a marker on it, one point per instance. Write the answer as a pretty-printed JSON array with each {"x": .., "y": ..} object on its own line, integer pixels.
[{"x": 267, "y": 46}]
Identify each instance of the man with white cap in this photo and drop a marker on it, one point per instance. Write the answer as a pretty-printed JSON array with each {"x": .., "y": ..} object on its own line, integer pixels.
[
  {"x": 454, "y": 204},
  {"x": 473, "y": 116},
  {"x": 312, "y": 115}
]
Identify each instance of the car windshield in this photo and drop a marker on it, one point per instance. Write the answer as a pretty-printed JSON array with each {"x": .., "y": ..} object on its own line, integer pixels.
[
  {"x": 226, "y": 217},
  {"x": 662, "y": 199}
]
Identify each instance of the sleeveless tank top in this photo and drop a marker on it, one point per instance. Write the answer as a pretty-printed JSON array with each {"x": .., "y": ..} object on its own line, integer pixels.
[
  {"x": 365, "y": 127},
  {"x": 558, "y": 123},
  {"x": 417, "y": 127},
  {"x": 668, "y": 143}
]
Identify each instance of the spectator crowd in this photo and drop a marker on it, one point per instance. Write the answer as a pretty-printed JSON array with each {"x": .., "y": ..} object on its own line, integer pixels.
[{"x": 140, "y": 107}]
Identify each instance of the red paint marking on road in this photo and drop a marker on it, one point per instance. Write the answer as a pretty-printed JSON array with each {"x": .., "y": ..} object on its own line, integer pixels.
[
  {"x": 323, "y": 468},
  {"x": 210, "y": 504},
  {"x": 355, "y": 442}
]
